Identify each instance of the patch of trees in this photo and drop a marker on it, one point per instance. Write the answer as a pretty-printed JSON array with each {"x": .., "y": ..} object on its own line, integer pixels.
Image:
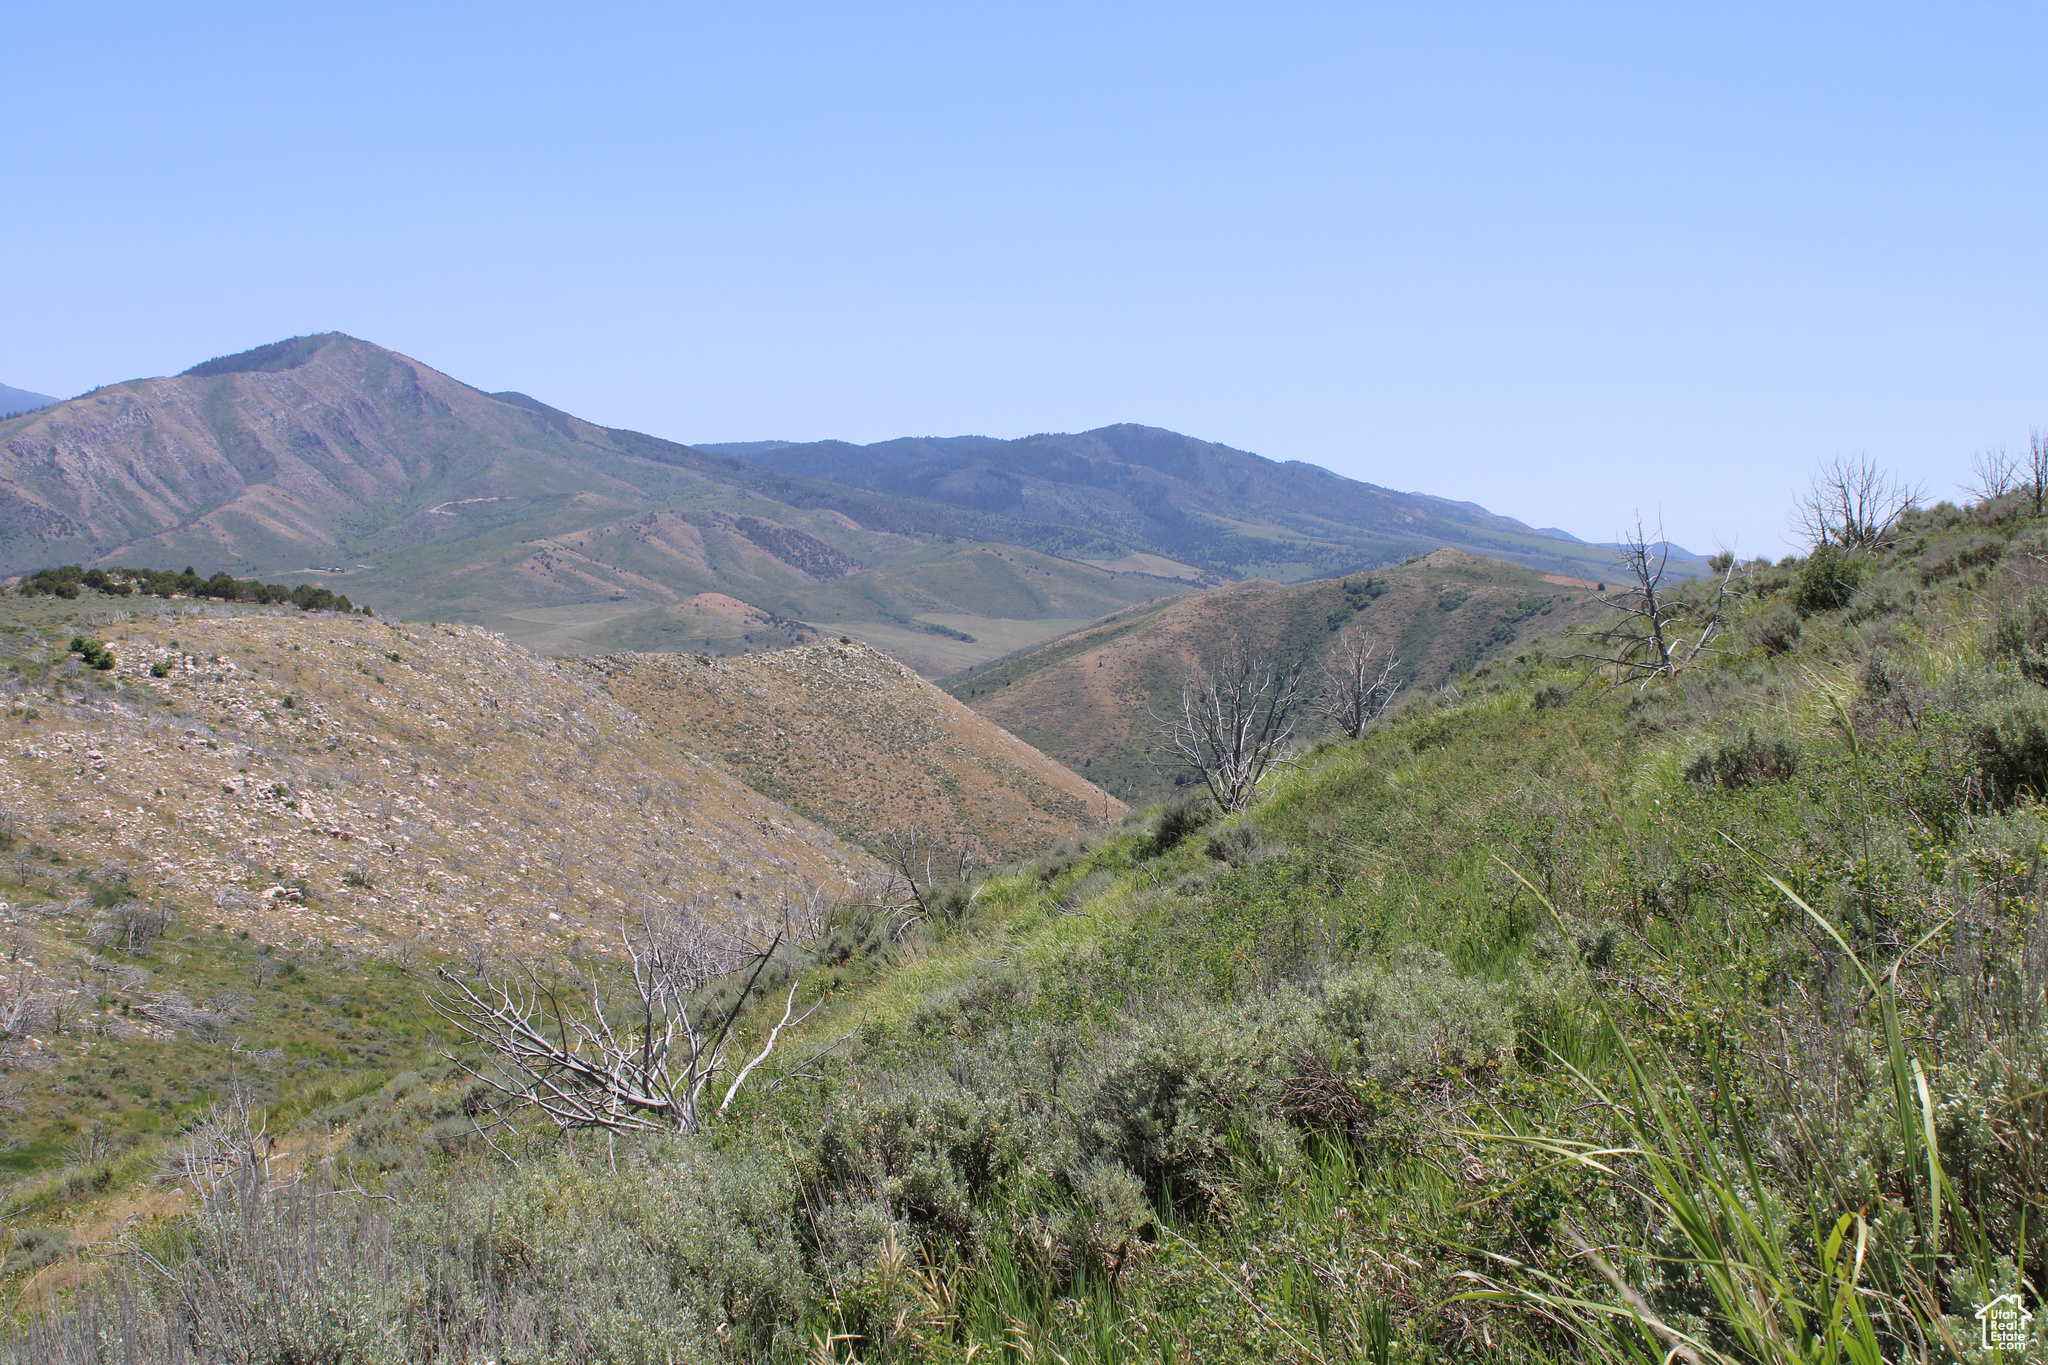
[
  {"x": 94, "y": 652},
  {"x": 69, "y": 580}
]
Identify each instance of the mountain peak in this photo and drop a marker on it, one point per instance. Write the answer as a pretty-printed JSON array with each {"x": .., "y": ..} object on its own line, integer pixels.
[{"x": 288, "y": 354}]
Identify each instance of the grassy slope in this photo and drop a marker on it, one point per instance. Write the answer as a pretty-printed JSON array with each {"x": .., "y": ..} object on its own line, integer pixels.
[
  {"x": 859, "y": 743},
  {"x": 1256, "y": 1095},
  {"x": 1084, "y": 698}
]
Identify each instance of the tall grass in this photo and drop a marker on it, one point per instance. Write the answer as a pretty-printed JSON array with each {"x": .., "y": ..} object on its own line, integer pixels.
[{"x": 1812, "y": 1284}]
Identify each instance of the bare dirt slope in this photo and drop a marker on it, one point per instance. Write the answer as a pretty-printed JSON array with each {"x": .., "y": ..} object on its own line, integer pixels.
[
  {"x": 369, "y": 784},
  {"x": 859, "y": 743},
  {"x": 1084, "y": 698}
]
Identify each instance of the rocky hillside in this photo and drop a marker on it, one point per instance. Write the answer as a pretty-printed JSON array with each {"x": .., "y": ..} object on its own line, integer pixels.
[
  {"x": 860, "y": 744},
  {"x": 224, "y": 855},
  {"x": 321, "y": 777},
  {"x": 1084, "y": 698}
]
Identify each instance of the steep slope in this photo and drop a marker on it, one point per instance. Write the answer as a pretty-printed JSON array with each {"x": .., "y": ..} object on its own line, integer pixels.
[
  {"x": 368, "y": 783},
  {"x": 1084, "y": 698},
  {"x": 860, "y": 744},
  {"x": 438, "y": 501},
  {"x": 220, "y": 878},
  {"x": 1215, "y": 510}
]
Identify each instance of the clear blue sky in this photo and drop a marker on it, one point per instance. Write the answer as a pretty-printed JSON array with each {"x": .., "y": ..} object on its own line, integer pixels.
[{"x": 1565, "y": 261}]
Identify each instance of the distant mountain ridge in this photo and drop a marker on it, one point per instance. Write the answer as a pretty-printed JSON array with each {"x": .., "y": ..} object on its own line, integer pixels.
[
  {"x": 1223, "y": 513},
  {"x": 13, "y": 400},
  {"x": 436, "y": 500},
  {"x": 432, "y": 499}
]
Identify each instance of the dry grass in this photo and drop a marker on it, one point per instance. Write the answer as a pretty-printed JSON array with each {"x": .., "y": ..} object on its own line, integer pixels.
[
  {"x": 372, "y": 784},
  {"x": 861, "y": 744}
]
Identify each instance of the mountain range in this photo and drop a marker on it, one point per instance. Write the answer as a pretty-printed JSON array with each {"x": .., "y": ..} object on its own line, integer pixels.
[
  {"x": 326, "y": 458},
  {"x": 1216, "y": 513},
  {"x": 13, "y": 400}
]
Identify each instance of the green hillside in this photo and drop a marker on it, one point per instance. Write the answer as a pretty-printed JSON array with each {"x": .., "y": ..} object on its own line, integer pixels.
[
  {"x": 1222, "y": 512},
  {"x": 1087, "y": 698},
  {"x": 1565, "y": 1017}
]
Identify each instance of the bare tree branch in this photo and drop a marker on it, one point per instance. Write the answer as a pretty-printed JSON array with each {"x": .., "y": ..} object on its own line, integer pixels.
[
  {"x": 922, "y": 873},
  {"x": 1659, "y": 634},
  {"x": 613, "y": 1058},
  {"x": 1356, "y": 686},
  {"x": 1852, "y": 504},
  {"x": 788, "y": 1007},
  {"x": 1993, "y": 474},
  {"x": 1234, "y": 720}
]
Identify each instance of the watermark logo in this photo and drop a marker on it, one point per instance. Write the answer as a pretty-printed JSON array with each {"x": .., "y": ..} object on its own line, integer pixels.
[{"x": 2006, "y": 1324}]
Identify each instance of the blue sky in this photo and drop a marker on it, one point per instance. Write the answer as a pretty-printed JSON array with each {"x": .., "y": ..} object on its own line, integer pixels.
[{"x": 1565, "y": 261}]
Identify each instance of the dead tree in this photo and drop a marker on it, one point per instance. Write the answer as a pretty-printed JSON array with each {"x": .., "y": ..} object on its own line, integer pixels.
[
  {"x": 925, "y": 876},
  {"x": 1993, "y": 474},
  {"x": 22, "y": 1006},
  {"x": 223, "y": 1156},
  {"x": 1356, "y": 685},
  {"x": 1853, "y": 505},
  {"x": 598, "y": 1052},
  {"x": 1233, "y": 721},
  {"x": 1660, "y": 632}
]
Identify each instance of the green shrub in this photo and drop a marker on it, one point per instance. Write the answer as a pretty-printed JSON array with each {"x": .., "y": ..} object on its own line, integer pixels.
[
  {"x": 1173, "y": 824},
  {"x": 2020, "y": 636},
  {"x": 2011, "y": 735},
  {"x": 1828, "y": 580},
  {"x": 1950, "y": 555},
  {"x": 1776, "y": 630},
  {"x": 1419, "y": 1018},
  {"x": 33, "y": 1248},
  {"x": 1746, "y": 762},
  {"x": 1235, "y": 845},
  {"x": 1101, "y": 1222},
  {"x": 1187, "y": 1084},
  {"x": 94, "y": 652}
]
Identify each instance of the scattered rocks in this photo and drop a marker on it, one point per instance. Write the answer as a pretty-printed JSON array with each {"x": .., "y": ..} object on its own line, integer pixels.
[{"x": 285, "y": 775}]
